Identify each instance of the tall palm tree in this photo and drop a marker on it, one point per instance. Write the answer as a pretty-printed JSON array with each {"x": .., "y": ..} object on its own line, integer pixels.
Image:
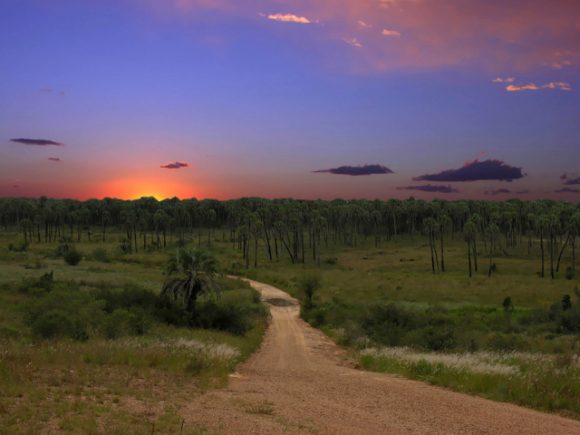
[
  {"x": 197, "y": 271},
  {"x": 469, "y": 232}
]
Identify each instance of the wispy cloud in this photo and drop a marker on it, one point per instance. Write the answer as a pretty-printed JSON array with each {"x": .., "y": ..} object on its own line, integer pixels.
[
  {"x": 289, "y": 18},
  {"x": 175, "y": 165},
  {"x": 445, "y": 33},
  {"x": 37, "y": 142},
  {"x": 562, "y": 86},
  {"x": 354, "y": 42},
  {"x": 476, "y": 170},
  {"x": 55, "y": 159},
  {"x": 388, "y": 32},
  {"x": 430, "y": 188},
  {"x": 357, "y": 170},
  {"x": 567, "y": 190},
  {"x": 498, "y": 192},
  {"x": 363, "y": 24},
  {"x": 504, "y": 80},
  {"x": 570, "y": 179}
]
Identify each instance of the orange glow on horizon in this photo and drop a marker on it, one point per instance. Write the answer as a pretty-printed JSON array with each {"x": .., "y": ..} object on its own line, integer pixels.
[{"x": 134, "y": 188}]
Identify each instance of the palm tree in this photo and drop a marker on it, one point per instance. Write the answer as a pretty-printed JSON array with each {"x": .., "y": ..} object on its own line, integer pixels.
[
  {"x": 197, "y": 270},
  {"x": 492, "y": 232},
  {"x": 469, "y": 232}
]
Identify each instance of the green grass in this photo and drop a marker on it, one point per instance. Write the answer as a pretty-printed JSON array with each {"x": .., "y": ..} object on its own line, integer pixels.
[
  {"x": 132, "y": 384},
  {"x": 356, "y": 279}
]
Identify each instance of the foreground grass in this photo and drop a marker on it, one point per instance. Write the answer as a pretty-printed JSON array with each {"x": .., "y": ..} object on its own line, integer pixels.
[
  {"x": 127, "y": 383},
  {"x": 529, "y": 359},
  {"x": 545, "y": 382}
]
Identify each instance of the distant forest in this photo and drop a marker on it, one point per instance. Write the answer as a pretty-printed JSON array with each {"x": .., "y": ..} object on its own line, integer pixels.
[{"x": 301, "y": 229}]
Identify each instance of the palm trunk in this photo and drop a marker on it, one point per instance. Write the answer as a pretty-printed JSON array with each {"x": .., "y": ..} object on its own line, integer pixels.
[
  {"x": 542, "y": 252},
  {"x": 469, "y": 257},
  {"x": 562, "y": 252}
]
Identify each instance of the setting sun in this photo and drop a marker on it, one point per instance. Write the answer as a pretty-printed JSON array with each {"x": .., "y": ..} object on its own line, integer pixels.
[{"x": 134, "y": 188}]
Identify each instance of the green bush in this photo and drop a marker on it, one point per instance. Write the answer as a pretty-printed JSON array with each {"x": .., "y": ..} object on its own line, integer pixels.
[
  {"x": 72, "y": 257},
  {"x": 37, "y": 285},
  {"x": 123, "y": 322},
  {"x": 18, "y": 247},
  {"x": 234, "y": 317},
  {"x": 126, "y": 298},
  {"x": 56, "y": 324}
]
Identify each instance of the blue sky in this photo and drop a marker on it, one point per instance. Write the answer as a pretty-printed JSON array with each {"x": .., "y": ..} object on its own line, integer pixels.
[{"x": 254, "y": 99}]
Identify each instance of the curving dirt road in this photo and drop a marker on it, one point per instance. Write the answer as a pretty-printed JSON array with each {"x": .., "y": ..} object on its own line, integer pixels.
[{"x": 300, "y": 382}]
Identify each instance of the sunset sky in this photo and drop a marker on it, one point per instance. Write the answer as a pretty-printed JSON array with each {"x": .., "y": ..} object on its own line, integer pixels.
[{"x": 310, "y": 99}]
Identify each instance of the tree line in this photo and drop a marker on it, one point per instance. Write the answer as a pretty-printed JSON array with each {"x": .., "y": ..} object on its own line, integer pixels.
[{"x": 267, "y": 230}]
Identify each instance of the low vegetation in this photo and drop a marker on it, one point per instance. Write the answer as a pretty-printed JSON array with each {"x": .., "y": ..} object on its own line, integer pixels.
[
  {"x": 95, "y": 346},
  {"x": 477, "y": 296}
]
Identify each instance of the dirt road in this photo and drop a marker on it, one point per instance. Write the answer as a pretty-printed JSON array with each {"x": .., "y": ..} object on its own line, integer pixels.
[{"x": 300, "y": 382}]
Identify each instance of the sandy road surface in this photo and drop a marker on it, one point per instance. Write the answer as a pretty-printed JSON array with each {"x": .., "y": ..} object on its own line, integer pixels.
[{"x": 299, "y": 382}]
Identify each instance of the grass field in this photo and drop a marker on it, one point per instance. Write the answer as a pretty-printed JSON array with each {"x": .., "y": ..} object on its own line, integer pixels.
[
  {"x": 125, "y": 371},
  {"x": 396, "y": 316},
  {"x": 382, "y": 303}
]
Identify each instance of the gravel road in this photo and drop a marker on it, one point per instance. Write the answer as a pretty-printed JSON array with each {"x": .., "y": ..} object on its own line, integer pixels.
[{"x": 301, "y": 382}]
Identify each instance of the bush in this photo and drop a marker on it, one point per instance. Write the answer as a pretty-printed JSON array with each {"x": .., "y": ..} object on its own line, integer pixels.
[
  {"x": 18, "y": 247},
  {"x": 124, "y": 322},
  {"x": 223, "y": 317},
  {"x": 43, "y": 284},
  {"x": 54, "y": 324},
  {"x": 309, "y": 284},
  {"x": 72, "y": 257},
  {"x": 570, "y": 274},
  {"x": 127, "y": 298}
]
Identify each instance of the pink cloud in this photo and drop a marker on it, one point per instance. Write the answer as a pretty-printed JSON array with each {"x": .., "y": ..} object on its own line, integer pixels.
[
  {"x": 387, "y": 32},
  {"x": 289, "y": 18},
  {"x": 562, "y": 86}
]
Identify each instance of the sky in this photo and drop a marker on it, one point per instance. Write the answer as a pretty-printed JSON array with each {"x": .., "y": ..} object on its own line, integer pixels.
[{"x": 377, "y": 99}]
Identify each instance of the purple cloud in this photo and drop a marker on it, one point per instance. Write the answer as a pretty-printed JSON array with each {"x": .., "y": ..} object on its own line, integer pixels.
[
  {"x": 55, "y": 159},
  {"x": 570, "y": 180},
  {"x": 357, "y": 170},
  {"x": 567, "y": 190},
  {"x": 175, "y": 165},
  {"x": 37, "y": 142},
  {"x": 430, "y": 188},
  {"x": 498, "y": 192},
  {"x": 476, "y": 170}
]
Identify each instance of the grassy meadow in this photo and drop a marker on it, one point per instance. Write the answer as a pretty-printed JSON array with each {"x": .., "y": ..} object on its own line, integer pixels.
[
  {"x": 123, "y": 362},
  {"x": 91, "y": 350},
  {"x": 396, "y": 316}
]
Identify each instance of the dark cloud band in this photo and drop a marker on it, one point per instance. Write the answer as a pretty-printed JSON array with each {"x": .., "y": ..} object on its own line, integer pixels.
[
  {"x": 476, "y": 170},
  {"x": 175, "y": 165},
  {"x": 357, "y": 170},
  {"x": 37, "y": 142}
]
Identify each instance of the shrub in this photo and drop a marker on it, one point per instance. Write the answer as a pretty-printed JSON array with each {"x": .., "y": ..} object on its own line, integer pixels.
[
  {"x": 224, "y": 317},
  {"x": 309, "y": 284},
  {"x": 43, "y": 283},
  {"x": 72, "y": 257},
  {"x": 570, "y": 274},
  {"x": 18, "y": 247},
  {"x": 126, "y": 298},
  {"x": 54, "y": 323},
  {"x": 124, "y": 322}
]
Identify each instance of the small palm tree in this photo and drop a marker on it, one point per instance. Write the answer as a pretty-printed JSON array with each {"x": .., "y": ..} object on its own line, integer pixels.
[{"x": 198, "y": 271}]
